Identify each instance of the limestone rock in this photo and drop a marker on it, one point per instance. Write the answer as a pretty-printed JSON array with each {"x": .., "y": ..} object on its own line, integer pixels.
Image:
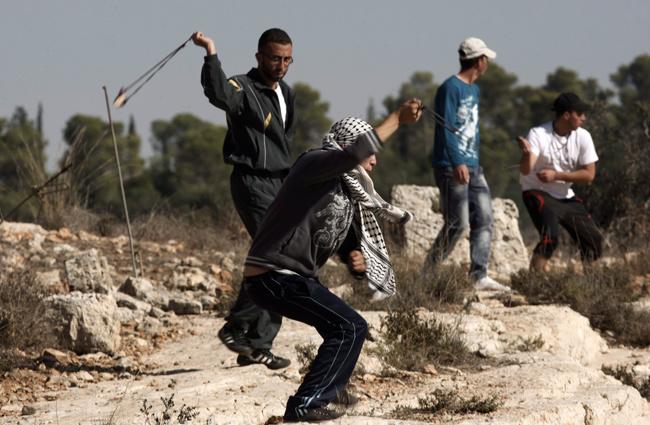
[
  {"x": 554, "y": 329},
  {"x": 86, "y": 323},
  {"x": 139, "y": 288},
  {"x": 508, "y": 253},
  {"x": 51, "y": 281},
  {"x": 88, "y": 272},
  {"x": 182, "y": 306}
]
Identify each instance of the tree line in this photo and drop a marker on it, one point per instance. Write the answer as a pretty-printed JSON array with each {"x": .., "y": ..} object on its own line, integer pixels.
[{"x": 187, "y": 174}]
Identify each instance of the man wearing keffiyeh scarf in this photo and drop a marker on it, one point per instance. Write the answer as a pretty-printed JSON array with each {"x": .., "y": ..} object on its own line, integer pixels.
[
  {"x": 326, "y": 193},
  {"x": 367, "y": 201}
]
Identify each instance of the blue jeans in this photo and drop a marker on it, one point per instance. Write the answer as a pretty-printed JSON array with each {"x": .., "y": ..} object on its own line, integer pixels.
[
  {"x": 343, "y": 331},
  {"x": 464, "y": 205}
]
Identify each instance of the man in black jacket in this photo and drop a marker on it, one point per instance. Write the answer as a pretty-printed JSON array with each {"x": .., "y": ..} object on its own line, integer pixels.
[
  {"x": 261, "y": 123},
  {"x": 327, "y": 193}
]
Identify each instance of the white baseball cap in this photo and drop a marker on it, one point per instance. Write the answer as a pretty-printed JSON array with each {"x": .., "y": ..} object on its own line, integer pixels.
[{"x": 472, "y": 48}]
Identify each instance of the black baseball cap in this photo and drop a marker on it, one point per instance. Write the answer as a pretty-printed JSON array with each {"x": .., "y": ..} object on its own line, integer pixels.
[{"x": 569, "y": 102}]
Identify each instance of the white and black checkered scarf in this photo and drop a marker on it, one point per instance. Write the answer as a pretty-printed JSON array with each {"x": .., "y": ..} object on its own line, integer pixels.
[{"x": 367, "y": 202}]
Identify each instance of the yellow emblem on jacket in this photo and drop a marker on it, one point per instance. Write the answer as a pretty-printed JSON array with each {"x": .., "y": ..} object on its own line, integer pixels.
[{"x": 234, "y": 83}]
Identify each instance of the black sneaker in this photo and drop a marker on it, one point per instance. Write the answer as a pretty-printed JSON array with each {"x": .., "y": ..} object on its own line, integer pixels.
[
  {"x": 235, "y": 340},
  {"x": 317, "y": 415},
  {"x": 264, "y": 357},
  {"x": 344, "y": 398}
]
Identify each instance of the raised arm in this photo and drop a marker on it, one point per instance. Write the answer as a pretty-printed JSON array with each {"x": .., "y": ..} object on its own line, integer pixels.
[
  {"x": 222, "y": 92},
  {"x": 408, "y": 113},
  {"x": 202, "y": 41}
]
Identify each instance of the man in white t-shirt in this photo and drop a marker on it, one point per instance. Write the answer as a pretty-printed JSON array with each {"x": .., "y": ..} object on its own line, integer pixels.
[{"x": 554, "y": 156}]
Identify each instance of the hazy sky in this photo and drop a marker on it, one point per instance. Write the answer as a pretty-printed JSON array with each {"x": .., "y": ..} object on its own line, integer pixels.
[{"x": 61, "y": 53}]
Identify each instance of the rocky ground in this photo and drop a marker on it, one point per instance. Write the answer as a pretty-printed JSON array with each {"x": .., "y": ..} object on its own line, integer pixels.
[{"x": 542, "y": 363}]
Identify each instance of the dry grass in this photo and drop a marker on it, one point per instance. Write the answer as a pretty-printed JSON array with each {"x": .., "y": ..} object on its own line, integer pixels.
[
  {"x": 624, "y": 375},
  {"x": 24, "y": 204},
  {"x": 306, "y": 355},
  {"x": 603, "y": 295},
  {"x": 197, "y": 231},
  {"x": 24, "y": 327},
  {"x": 639, "y": 264},
  {"x": 442, "y": 288},
  {"x": 169, "y": 415},
  {"x": 442, "y": 402},
  {"x": 52, "y": 196},
  {"x": 411, "y": 343}
]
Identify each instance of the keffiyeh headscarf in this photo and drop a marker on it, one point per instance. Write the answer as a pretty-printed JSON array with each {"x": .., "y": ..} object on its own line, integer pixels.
[{"x": 367, "y": 202}]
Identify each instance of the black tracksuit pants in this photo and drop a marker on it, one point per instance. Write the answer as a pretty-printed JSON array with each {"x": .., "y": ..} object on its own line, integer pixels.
[
  {"x": 549, "y": 213},
  {"x": 343, "y": 331},
  {"x": 252, "y": 193}
]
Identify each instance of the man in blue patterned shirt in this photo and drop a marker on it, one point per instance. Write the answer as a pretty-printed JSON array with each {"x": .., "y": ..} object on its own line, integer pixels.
[{"x": 465, "y": 198}]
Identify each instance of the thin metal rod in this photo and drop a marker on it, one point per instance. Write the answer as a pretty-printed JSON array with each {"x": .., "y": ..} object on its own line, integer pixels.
[{"x": 119, "y": 173}]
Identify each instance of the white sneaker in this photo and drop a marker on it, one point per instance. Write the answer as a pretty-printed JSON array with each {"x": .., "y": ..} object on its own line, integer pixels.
[{"x": 486, "y": 283}]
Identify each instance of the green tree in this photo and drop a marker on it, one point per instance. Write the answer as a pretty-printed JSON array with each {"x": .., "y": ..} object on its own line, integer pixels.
[
  {"x": 189, "y": 171},
  {"x": 633, "y": 81},
  {"x": 619, "y": 194},
  {"x": 313, "y": 121},
  {"x": 371, "y": 114},
  {"x": 564, "y": 80},
  {"x": 93, "y": 174},
  {"x": 407, "y": 156},
  {"x": 39, "y": 119},
  {"x": 413, "y": 142},
  {"x": 533, "y": 104},
  {"x": 498, "y": 123},
  {"x": 22, "y": 163}
]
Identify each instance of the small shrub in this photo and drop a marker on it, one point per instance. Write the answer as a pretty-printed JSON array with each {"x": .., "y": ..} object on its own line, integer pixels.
[
  {"x": 553, "y": 287},
  {"x": 602, "y": 294},
  {"x": 441, "y": 402},
  {"x": 530, "y": 344},
  {"x": 411, "y": 343},
  {"x": 306, "y": 355},
  {"x": 225, "y": 302},
  {"x": 166, "y": 417},
  {"x": 639, "y": 264},
  {"x": 438, "y": 284},
  {"x": 15, "y": 359},
  {"x": 23, "y": 319},
  {"x": 436, "y": 289},
  {"x": 197, "y": 231},
  {"x": 477, "y": 404},
  {"x": 624, "y": 375}
]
